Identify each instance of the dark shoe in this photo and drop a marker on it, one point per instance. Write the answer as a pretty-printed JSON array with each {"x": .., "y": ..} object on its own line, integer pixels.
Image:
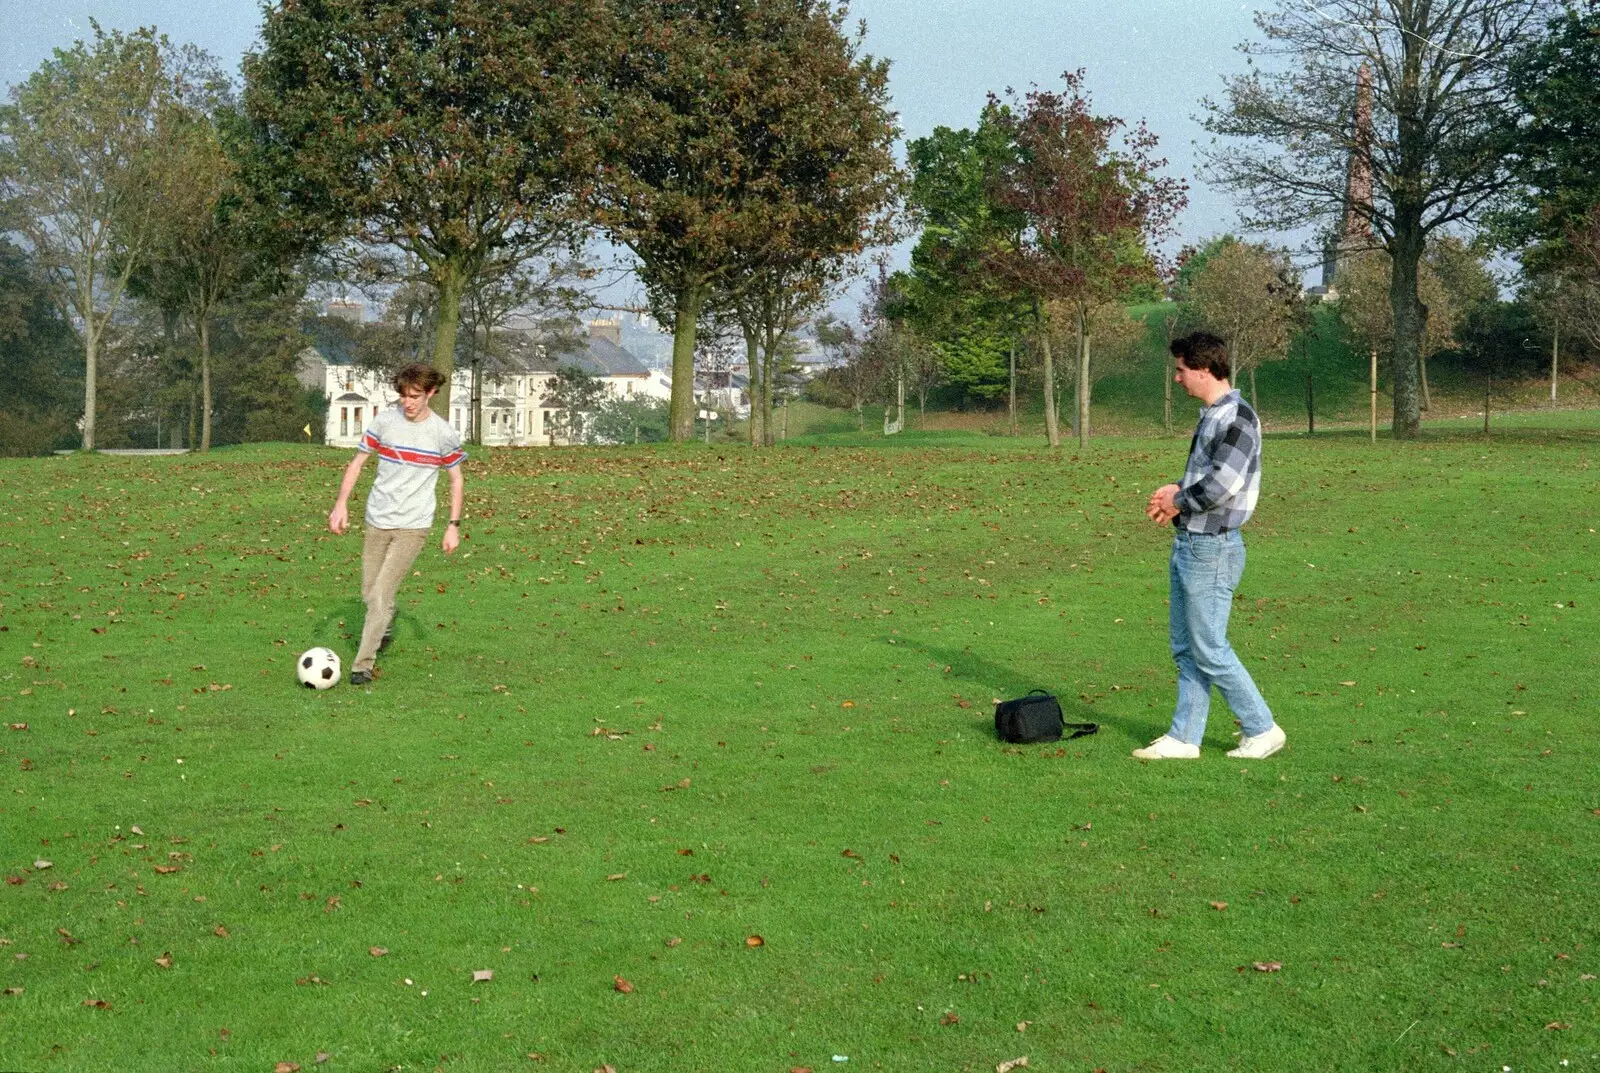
[
  {"x": 361, "y": 678},
  {"x": 388, "y": 639}
]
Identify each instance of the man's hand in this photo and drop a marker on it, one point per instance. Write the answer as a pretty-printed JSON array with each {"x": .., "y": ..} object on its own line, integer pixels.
[
  {"x": 339, "y": 519},
  {"x": 452, "y": 539},
  {"x": 1162, "y": 508}
]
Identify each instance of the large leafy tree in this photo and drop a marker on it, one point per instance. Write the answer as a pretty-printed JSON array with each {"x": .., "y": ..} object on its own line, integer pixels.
[
  {"x": 971, "y": 317},
  {"x": 78, "y": 148},
  {"x": 1556, "y": 80},
  {"x": 747, "y": 143},
  {"x": 453, "y": 131},
  {"x": 1088, "y": 200},
  {"x": 1249, "y": 294},
  {"x": 1437, "y": 150},
  {"x": 40, "y": 361}
]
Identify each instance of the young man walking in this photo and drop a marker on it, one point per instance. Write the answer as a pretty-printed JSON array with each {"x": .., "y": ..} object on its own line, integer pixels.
[
  {"x": 1221, "y": 484},
  {"x": 412, "y": 444}
]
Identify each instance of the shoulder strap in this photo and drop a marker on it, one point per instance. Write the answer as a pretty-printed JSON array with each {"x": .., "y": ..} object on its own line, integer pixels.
[{"x": 1079, "y": 730}]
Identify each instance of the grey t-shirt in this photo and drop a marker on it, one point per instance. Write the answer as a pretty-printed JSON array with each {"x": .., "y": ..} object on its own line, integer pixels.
[{"x": 410, "y": 456}]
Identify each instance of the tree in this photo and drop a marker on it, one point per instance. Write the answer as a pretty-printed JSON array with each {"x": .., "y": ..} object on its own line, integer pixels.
[
  {"x": 40, "y": 361},
  {"x": 1436, "y": 153},
  {"x": 746, "y": 142},
  {"x": 455, "y": 133},
  {"x": 1087, "y": 212},
  {"x": 629, "y": 419},
  {"x": 77, "y": 149},
  {"x": 971, "y": 318},
  {"x": 1248, "y": 294},
  {"x": 573, "y": 395},
  {"x": 1367, "y": 314},
  {"x": 1556, "y": 82}
]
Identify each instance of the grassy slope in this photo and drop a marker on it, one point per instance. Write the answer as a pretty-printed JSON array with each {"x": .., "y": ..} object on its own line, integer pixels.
[{"x": 667, "y": 691}]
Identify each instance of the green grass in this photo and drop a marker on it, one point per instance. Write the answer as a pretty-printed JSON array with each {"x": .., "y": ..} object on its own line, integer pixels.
[{"x": 646, "y": 712}]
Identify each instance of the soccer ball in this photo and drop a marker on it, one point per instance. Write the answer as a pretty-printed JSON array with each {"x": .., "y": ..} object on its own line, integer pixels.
[{"x": 318, "y": 668}]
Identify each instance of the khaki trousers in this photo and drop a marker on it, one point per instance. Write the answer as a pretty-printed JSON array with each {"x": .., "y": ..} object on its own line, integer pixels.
[{"x": 386, "y": 558}]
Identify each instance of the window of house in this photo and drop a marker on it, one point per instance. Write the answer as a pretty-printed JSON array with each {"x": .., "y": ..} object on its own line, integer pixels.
[
  {"x": 358, "y": 420},
  {"x": 458, "y": 419},
  {"x": 344, "y": 420},
  {"x": 519, "y": 420}
]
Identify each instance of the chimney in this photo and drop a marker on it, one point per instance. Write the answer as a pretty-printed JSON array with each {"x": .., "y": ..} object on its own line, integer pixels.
[{"x": 606, "y": 329}]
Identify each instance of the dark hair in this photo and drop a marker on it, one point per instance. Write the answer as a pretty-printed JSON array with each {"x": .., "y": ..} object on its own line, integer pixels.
[
  {"x": 1202, "y": 350},
  {"x": 424, "y": 378}
]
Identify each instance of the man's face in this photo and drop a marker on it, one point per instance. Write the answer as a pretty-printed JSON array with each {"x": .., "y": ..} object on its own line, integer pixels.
[
  {"x": 1197, "y": 382},
  {"x": 414, "y": 402}
]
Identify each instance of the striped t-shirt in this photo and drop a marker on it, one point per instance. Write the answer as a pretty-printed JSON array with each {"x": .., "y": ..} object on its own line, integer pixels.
[{"x": 410, "y": 456}]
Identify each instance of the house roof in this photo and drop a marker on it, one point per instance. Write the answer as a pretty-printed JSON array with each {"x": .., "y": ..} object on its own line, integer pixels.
[{"x": 351, "y": 396}]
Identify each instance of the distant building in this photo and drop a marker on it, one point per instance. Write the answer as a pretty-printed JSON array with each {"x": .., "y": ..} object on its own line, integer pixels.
[{"x": 513, "y": 397}]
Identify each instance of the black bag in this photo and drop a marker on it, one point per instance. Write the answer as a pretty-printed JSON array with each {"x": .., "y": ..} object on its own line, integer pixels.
[{"x": 1035, "y": 718}]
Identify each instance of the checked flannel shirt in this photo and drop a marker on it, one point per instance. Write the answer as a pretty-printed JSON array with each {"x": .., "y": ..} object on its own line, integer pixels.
[{"x": 1222, "y": 479}]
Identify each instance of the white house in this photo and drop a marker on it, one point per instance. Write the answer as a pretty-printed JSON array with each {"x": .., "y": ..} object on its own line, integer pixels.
[{"x": 513, "y": 398}]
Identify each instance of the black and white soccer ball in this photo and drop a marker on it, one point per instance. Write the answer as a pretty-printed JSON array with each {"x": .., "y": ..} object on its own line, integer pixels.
[{"x": 318, "y": 668}]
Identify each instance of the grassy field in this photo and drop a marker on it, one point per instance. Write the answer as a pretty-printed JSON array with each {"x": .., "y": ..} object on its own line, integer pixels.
[{"x": 692, "y": 750}]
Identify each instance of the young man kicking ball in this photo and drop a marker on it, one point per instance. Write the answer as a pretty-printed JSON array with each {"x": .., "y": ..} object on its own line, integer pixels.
[
  {"x": 412, "y": 444},
  {"x": 1221, "y": 484}
]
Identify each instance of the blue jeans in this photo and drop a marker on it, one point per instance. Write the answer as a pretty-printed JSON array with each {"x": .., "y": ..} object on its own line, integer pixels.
[{"x": 1205, "y": 572}]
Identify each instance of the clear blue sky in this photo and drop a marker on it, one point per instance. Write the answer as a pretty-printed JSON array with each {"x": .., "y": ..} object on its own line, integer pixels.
[{"x": 1145, "y": 59}]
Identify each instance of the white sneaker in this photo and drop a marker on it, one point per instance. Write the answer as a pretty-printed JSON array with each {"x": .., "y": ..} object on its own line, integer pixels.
[
  {"x": 1167, "y": 748},
  {"x": 1261, "y": 746}
]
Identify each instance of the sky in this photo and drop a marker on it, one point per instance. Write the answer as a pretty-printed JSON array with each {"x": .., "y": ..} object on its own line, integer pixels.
[{"x": 1143, "y": 59}]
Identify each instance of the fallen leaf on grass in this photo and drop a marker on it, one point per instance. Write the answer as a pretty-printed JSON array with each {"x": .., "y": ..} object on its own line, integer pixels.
[
  {"x": 619, "y": 984},
  {"x": 11, "y": 991},
  {"x": 1558, "y": 1026},
  {"x": 1587, "y": 976},
  {"x": 1267, "y": 966},
  {"x": 220, "y": 932},
  {"x": 616, "y": 876},
  {"x": 607, "y": 1068},
  {"x": 539, "y": 839},
  {"x": 1022, "y": 1026},
  {"x": 97, "y": 1003},
  {"x": 16, "y": 881},
  {"x": 949, "y": 1019},
  {"x": 852, "y": 854},
  {"x": 674, "y": 941},
  {"x": 58, "y": 886},
  {"x": 377, "y": 951},
  {"x": 1347, "y": 683},
  {"x": 167, "y": 869},
  {"x": 755, "y": 940},
  {"x": 42, "y": 864},
  {"x": 165, "y": 960},
  {"x": 848, "y": 704},
  {"x": 799, "y": 1069},
  {"x": 1451, "y": 946},
  {"x": 1015, "y": 1063},
  {"x": 286, "y": 1067},
  {"x": 19, "y": 726},
  {"x": 307, "y": 981},
  {"x": 323, "y": 1056},
  {"x": 1447, "y": 1050},
  {"x": 67, "y": 937},
  {"x": 481, "y": 976},
  {"x": 1219, "y": 906}
]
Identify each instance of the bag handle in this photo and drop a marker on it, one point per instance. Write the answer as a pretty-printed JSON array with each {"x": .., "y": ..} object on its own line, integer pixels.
[{"x": 1079, "y": 730}]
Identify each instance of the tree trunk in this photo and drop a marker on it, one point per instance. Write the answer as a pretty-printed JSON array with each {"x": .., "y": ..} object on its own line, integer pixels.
[
  {"x": 1372, "y": 419},
  {"x": 1083, "y": 380},
  {"x": 194, "y": 410},
  {"x": 1311, "y": 405},
  {"x": 91, "y": 355},
  {"x": 1409, "y": 321},
  {"x": 450, "y": 280},
  {"x": 1013, "y": 406},
  {"x": 1169, "y": 367},
  {"x": 1422, "y": 368},
  {"x": 475, "y": 405},
  {"x": 752, "y": 360},
  {"x": 205, "y": 383},
  {"x": 1052, "y": 430},
  {"x": 1254, "y": 405},
  {"x": 685, "y": 323},
  {"x": 1555, "y": 360}
]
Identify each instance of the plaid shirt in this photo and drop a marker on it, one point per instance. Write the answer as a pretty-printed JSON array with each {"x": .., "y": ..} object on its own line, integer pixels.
[{"x": 1222, "y": 480}]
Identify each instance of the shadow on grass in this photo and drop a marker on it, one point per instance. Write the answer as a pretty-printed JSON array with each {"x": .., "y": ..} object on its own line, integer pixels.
[{"x": 1004, "y": 681}]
